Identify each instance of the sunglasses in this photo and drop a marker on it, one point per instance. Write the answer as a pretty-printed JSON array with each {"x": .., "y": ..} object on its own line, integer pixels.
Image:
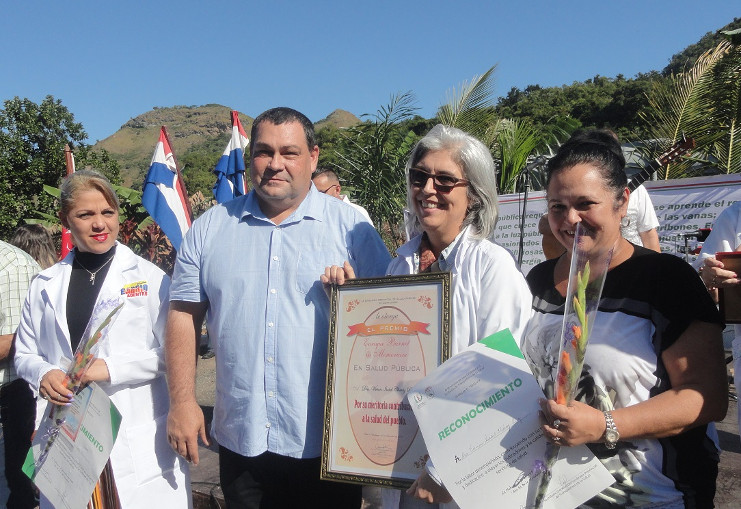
[
  {"x": 326, "y": 190},
  {"x": 442, "y": 183}
]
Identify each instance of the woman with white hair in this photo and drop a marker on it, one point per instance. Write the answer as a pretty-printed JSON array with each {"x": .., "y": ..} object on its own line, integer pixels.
[{"x": 452, "y": 197}]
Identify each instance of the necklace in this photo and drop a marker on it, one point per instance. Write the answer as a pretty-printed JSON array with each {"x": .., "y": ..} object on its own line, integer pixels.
[{"x": 93, "y": 273}]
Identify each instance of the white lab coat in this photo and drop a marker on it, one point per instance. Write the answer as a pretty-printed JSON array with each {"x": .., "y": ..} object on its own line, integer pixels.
[
  {"x": 146, "y": 469},
  {"x": 489, "y": 293}
]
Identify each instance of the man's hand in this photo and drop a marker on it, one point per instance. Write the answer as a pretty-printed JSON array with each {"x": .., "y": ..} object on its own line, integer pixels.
[
  {"x": 185, "y": 424},
  {"x": 6, "y": 346}
]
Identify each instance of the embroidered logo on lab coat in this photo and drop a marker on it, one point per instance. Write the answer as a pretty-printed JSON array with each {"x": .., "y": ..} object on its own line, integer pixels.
[{"x": 138, "y": 289}]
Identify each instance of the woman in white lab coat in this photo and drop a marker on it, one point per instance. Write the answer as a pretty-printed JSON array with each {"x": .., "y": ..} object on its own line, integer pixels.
[
  {"x": 453, "y": 205},
  {"x": 130, "y": 364}
]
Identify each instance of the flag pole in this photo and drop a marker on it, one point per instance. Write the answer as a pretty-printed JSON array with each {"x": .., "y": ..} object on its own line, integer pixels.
[
  {"x": 69, "y": 159},
  {"x": 66, "y": 244},
  {"x": 181, "y": 182}
]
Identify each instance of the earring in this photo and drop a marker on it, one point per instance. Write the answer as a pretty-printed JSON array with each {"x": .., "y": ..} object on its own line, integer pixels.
[{"x": 624, "y": 222}]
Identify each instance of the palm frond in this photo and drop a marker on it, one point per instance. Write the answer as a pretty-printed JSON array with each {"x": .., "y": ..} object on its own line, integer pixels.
[
  {"x": 374, "y": 155},
  {"x": 516, "y": 141},
  {"x": 679, "y": 106},
  {"x": 470, "y": 107}
]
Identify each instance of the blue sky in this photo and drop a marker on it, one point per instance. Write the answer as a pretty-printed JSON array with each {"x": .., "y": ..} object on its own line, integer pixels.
[{"x": 111, "y": 61}]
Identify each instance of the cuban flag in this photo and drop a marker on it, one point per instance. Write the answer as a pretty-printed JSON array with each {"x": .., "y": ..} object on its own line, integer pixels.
[
  {"x": 164, "y": 194},
  {"x": 229, "y": 170}
]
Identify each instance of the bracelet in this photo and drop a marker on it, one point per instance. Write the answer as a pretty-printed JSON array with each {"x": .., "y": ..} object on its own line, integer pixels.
[{"x": 700, "y": 271}]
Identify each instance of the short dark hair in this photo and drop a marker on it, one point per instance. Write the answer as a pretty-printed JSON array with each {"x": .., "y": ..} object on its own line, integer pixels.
[
  {"x": 281, "y": 115},
  {"x": 599, "y": 147},
  {"x": 330, "y": 175}
]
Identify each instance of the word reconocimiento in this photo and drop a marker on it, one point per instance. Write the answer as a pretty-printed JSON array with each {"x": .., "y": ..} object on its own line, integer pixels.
[
  {"x": 478, "y": 409},
  {"x": 92, "y": 439}
]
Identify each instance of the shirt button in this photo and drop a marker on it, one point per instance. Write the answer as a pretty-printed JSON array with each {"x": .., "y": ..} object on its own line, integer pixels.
[
  {"x": 270, "y": 359},
  {"x": 275, "y": 258},
  {"x": 272, "y": 290},
  {"x": 270, "y": 394},
  {"x": 270, "y": 324},
  {"x": 267, "y": 425}
]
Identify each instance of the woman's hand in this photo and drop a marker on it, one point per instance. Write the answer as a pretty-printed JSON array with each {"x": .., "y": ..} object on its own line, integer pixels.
[
  {"x": 570, "y": 425},
  {"x": 426, "y": 489},
  {"x": 97, "y": 372},
  {"x": 714, "y": 275},
  {"x": 53, "y": 388},
  {"x": 337, "y": 275}
]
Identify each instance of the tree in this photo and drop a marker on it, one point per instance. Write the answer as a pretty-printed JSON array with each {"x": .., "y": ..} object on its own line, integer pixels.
[
  {"x": 705, "y": 104},
  {"x": 684, "y": 60},
  {"x": 511, "y": 141},
  {"x": 32, "y": 140},
  {"x": 100, "y": 160},
  {"x": 373, "y": 156}
]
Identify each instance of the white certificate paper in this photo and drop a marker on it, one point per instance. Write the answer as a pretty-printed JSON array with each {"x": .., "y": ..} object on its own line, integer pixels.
[
  {"x": 478, "y": 413},
  {"x": 67, "y": 473}
]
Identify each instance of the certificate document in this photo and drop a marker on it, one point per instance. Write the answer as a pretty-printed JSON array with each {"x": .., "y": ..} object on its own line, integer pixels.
[
  {"x": 385, "y": 335},
  {"x": 67, "y": 467},
  {"x": 478, "y": 413}
]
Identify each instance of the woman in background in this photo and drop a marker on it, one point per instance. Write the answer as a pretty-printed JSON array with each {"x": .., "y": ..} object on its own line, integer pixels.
[
  {"x": 129, "y": 366},
  {"x": 36, "y": 240}
]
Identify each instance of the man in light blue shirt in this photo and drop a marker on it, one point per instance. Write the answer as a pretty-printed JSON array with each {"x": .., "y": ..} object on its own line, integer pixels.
[{"x": 253, "y": 264}]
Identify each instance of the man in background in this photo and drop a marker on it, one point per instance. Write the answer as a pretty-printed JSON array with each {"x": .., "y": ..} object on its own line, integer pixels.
[
  {"x": 640, "y": 224},
  {"x": 327, "y": 182},
  {"x": 17, "y": 405}
]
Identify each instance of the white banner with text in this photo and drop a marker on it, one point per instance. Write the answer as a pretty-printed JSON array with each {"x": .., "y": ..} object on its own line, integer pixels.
[{"x": 683, "y": 207}]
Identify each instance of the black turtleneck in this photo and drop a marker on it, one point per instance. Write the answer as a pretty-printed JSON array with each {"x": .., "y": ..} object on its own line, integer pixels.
[{"x": 82, "y": 292}]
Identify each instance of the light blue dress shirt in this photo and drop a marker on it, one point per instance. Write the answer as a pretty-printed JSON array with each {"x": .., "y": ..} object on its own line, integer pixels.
[{"x": 268, "y": 313}]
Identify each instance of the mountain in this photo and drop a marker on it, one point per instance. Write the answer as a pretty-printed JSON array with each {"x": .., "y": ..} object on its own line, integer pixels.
[
  {"x": 338, "y": 118},
  {"x": 133, "y": 144},
  {"x": 191, "y": 128}
]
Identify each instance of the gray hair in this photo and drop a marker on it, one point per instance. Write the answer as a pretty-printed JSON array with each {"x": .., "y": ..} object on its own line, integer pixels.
[{"x": 478, "y": 169}]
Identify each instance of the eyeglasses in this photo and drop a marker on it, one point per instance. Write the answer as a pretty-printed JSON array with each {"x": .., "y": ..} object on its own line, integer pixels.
[
  {"x": 330, "y": 187},
  {"x": 442, "y": 183}
]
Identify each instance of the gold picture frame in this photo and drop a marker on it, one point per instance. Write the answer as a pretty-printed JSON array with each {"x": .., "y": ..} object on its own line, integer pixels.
[{"x": 385, "y": 334}]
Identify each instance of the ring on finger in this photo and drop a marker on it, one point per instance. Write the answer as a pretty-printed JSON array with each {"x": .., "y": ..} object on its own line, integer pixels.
[{"x": 556, "y": 423}]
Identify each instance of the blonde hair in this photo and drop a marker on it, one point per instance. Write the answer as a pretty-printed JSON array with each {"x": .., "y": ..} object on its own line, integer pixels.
[{"x": 85, "y": 180}]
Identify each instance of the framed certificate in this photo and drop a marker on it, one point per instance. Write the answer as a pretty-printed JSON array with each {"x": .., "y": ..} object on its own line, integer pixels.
[
  {"x": 385, "y": 335},
  {"x": 729, "y": 298}
]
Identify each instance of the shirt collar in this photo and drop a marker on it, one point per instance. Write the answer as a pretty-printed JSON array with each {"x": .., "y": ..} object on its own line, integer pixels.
[
  {"x": 310, "y": 208},
  {"x": 447, "y": 256},
  {"x": 446, "y": 260}
]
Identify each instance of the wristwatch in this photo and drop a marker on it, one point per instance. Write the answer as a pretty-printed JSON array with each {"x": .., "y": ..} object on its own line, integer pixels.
[{"x": 611, "y": 432}]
